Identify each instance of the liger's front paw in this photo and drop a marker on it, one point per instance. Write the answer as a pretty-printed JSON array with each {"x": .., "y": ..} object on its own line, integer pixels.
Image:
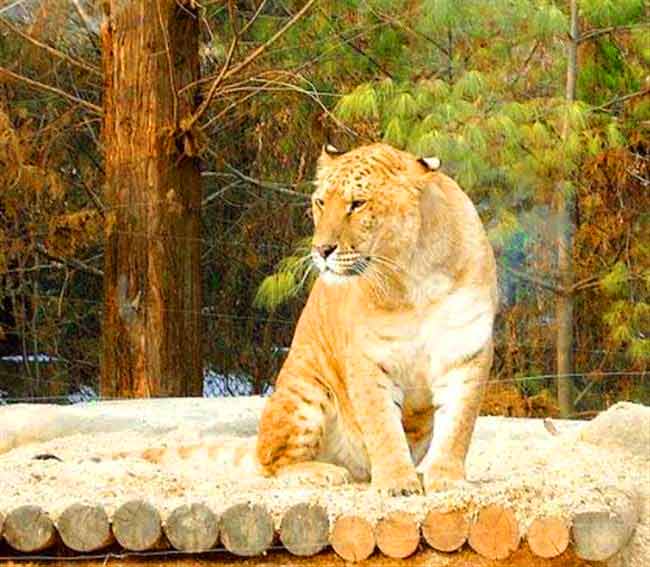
[
  {"x": 440, "y": 477},
  {"x": 398, "y": 483}
]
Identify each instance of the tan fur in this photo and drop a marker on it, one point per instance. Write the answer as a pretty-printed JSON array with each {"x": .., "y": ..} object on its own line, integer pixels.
[{"x": 395, "y": 341}]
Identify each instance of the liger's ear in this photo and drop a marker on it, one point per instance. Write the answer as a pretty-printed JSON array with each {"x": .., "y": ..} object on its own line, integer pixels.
[
  {"x": 431, "y": 163},
  {"x": 331, "y": 150},
  {"x": 329, "y": 154}
]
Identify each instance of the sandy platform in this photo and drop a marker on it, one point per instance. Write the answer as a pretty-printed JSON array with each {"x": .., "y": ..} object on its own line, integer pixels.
[{"x": 521, "y": 463}]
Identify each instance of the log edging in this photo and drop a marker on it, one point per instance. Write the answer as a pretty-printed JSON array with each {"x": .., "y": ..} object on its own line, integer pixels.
[
  {"x": 85, "y": 528},
  {"x": 193, "y": 528},
  {"x": 305, "y": 529},
  {"x": 137, "y": 526},
  {"x": 247, "y": 530}
]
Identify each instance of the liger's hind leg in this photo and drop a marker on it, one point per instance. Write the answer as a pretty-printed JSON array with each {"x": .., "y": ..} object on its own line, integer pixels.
[{"x": 292, "y": 436}]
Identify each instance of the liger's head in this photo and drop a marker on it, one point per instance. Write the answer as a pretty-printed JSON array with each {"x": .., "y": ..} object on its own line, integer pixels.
[{"x": 366, "y": 209}]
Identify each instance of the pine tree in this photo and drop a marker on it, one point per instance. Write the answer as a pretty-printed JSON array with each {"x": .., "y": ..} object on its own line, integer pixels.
[{"x": 484, "y": 86}]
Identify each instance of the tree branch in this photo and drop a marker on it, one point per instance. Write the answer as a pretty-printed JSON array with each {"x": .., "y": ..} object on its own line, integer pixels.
[
  {"x": 76, "y": 264},
  {"x": 207, "y": 200},
  {"x": 535, "y": 281},
  {"x": 85, "y": 20},
  {"x": 283, "y": 86},
  {"x": 266, "y": 184},
  {"x": 280, "y": 188},
  {"x": 584, "y": 284},
  {"x": 10, "y": 6},
  {"x": 372, "y": 60},
  {"x": 524, "y": 66},
  {"x": 51, "y": 50},
  {"x": 213, "y": 88},
  {"x": 252, "y": 19},
  {"x": 262, "y": 48},
  {"x": 259, "y": 50},
  {"x": 392, "y": 20},
  {"x": 51, "y": 89},
  {"x": 611, "y": 29},
  {"x": 619, "y": 99}
]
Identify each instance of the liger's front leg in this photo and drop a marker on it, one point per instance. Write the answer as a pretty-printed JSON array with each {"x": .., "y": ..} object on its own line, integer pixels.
[
  {"x": 379, "y": 418},
  {"x": 457, "y": 397}
]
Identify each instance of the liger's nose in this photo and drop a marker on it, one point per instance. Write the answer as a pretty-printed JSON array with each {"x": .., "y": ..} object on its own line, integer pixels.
[{"x": 325, "y": 250}]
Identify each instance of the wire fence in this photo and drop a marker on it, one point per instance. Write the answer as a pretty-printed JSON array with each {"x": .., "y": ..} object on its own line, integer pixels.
[
  {"x": 216, "y": 385},
  {"x": 245, "y": 349}
]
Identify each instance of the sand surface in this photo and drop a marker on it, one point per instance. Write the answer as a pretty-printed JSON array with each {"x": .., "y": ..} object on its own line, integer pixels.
[{"x": 514, "y": 462}]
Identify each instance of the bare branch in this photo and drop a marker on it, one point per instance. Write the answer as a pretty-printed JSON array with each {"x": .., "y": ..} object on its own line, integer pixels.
[
  {"x": 363, "y": 30},
  {"x": 585, "y": 283},
  {"x": 645, "y": 181},
  {"x": 53, "y": 51},
  {"x": 535, "y": 281},
  {"x": 262, "y": 48},
  {"x": 205, "y": 202},
  {"x": 372, "y": 60},
  {"x": 274, "y": 85},
  {"x": 10, "y": 6},
  {"x": 95, "y": 199},
  {"x": 51, "y": 89},
  {"x": 315, "y": 96},
  {"x": 253, "y": 18},
  {"x": 73, "y": 263},
  {"x": 36, "y": 268},
  {"x": 266, "y": 184},
  {"x": 87, "y": 23},
  {"x": 228, "y": 108},
  {"x": 213, "y": 88},
  {"x": 234, "y": 172}
]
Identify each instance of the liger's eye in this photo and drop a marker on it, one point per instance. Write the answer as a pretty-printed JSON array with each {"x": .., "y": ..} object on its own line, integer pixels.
[
  {"x": 355, "y": 205},
  {"x": 319, "y": 203}
]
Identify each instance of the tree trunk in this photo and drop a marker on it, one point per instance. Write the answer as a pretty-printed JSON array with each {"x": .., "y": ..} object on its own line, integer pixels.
[
  {"x": 564, "y": 210},
  {"x": 152, "y": 287}
]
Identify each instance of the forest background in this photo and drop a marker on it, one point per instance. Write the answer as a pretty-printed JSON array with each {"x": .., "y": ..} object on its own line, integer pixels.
[{"x": 540, "y": 110}]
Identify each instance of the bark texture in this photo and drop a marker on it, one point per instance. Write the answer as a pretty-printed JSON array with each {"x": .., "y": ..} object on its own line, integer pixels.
[{"x": 152, "y": 288}]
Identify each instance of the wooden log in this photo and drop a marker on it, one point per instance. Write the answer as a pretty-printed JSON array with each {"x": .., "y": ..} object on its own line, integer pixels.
[
  {"x": 495, "y": 533},
  {"x": 600, "y": 534},
  {"x": 548, "y": 537},
  {"x": 29, "y": 529},
  {"x": 192, "y": 527},
  {"x": 137, "y": 526},
  {"x": 2, "y": 521},
  {"x": 304, "y": 529},
  {"x": 353, "y": 538},
  {"x": 445, "y": 531},
  {"x": 246, "y": 530},
  {"x": 84, "y": 528},
  {"x": 398, "y": 535}
]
